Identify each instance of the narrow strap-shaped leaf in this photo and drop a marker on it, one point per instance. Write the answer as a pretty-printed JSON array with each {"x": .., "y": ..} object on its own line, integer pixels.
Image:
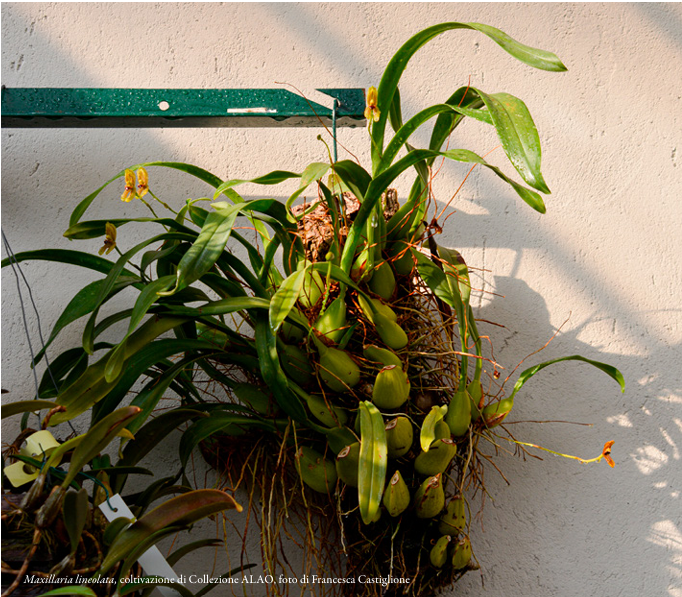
[
  {"x": 182, "y": 510},
  {"x": 404, "y": 133},
  {"x": 85, "y": 301},
  {"x": 93, "y": 262},
  {"x": 457, "y": 276},
  {"x": 271, "y": 178},
  {"x": 255, "y": 257},
  {"x": 383, "y": 180},
  {"x": 232, "y": 423},
  {"x": 64, "y": 370},
  {"x": 389, "y": 82},
  {"x": 91, "y": 386},
  {"x": 272, "y": 373},
  {"x": 97, "y": 228},
  {"x": 195, "y": 171},
  {"x": 427, "y": 435},
  {"x": 147, "y": 298},
  {"x": 446, "y": 122},
  {"x": 111, "y": 280},
  {"x": 435, "y": 279},
  {"x": 153, "y": 432},
  {"x": 205, "y": 251},
  {"x": 137, "y": 364},
  {"x": 611, "y": 371},
  {"x": 285, "y": 298},
  {"x": 268, "y": 272},
  {"x": 519, "y": 137},
  {"x": 97, "y": 438},
  {"x": 217, "y": 228},
  {"x": 355, "y": 177},
  {"x": 221, "y": 307},
  {"x": 150, "y": 395},
  {"x": 180, "y": 553},
  {"x": 312, "y": 172},
  {"x": 373, "y": 461},
  {"x": 25, "y": 406}
]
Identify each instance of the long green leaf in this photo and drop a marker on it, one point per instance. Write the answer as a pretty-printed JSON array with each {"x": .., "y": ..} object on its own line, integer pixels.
[
  {"x": 148, "y": 296},
  {"x": 85, "y": 301},
  {"x": 389, "y": 82},
  {"x": 153, "y": 354},
  {"x": 97, "y": 228},
  {"x": 195, "y": 171},
  {"x": 205, "y": 251},
  {"x": 611, "y": 371},
  {"x": 285, "y": 298},
  {"x": 180, "y": 553},
  {"x": 86, "y": 260},
  {"x": 373, "y": 461},
  {"x": 435, "y": 279},
  {"x": 151, "y": 434},
  {"x": 457, "y": 276},
  {"x": 111, "y": 281},
  {"x": 92, "y": 387},
  {"x": 271, "y": 178},
  {"x": 355, "y": 177},
  {"x": 379, "y": 185},
  {"x": 97, "y": 438},
  {"x": 64, "y": 370},
  {"x": 404, "y": 133},
  {"x": 446, "y": 122},
  {"x": 182, "y": 510},
  {"x": 312, "y": 172},
  {"x": 519, "y": 137},
  {"x": 272, "y": 373},
  {"x": 25, "y": 406},
  {"x": 149, "y": 396},
  {"x": 231, "y": 423}
]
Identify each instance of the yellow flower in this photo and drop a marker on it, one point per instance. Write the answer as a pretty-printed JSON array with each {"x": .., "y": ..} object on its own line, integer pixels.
[
  {"x": 371, "y": 111},
  {"x": 142, "y": 183},
  {"x": 109, "y": 239},
  {"x": 129, "y": 192}
]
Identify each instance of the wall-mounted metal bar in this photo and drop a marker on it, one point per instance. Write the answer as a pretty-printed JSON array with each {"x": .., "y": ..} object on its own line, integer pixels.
[{"x": 51, "y": 107}]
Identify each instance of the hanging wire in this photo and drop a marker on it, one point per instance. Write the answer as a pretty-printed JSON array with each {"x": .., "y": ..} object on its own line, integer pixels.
[{"x": 16, "y": 269}]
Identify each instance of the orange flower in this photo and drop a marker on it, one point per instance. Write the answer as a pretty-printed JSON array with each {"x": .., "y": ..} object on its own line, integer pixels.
[
  {"x": 606, "y": 453},
  {"x": 109, "y": 239},
  {"x": 142, "y": 183},
  {"x": 129, "y": 192},
  {"x": 372, "y": 113}
]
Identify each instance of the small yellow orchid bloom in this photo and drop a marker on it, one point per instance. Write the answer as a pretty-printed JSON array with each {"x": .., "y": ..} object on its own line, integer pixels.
[
  {"x": 129, "y": 192},
  {"x": 142, "y": 183},
  {"x": 109, "y": 239},
  {"x": 372, "y": 113}
]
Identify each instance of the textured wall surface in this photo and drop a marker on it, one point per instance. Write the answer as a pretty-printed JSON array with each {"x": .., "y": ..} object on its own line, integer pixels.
[{"x": 607, "y": 253}]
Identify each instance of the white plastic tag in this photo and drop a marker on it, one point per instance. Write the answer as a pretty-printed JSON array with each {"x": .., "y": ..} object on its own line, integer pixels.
[{"x": 152, "y": 560}]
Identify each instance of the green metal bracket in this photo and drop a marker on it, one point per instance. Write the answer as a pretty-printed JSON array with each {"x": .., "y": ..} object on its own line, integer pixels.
[{"x": 49, "y": 107}]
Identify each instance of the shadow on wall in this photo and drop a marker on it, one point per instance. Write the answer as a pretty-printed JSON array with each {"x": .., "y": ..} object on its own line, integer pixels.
[{"x": 640, "y": 519}]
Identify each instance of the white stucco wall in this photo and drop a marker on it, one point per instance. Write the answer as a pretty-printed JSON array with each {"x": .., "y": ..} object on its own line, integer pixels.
[{"x": 607, "y": 252}]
